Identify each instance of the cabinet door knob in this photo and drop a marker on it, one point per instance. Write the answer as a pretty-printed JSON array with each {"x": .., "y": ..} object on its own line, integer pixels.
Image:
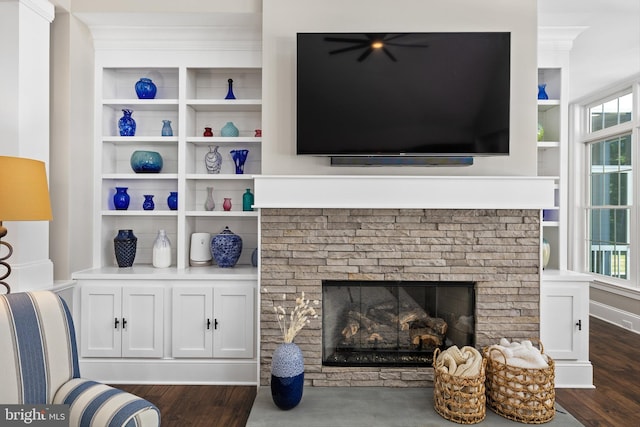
[
  {"x": 579, "y": 324},
  {"x": 116, "y": 323},
  {"x": 208, "y": 323},
  {"x": 124, "y": 323}
]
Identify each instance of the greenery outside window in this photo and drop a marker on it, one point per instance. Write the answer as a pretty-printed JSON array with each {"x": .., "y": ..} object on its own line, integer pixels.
[{"x": 611, "y": 213}]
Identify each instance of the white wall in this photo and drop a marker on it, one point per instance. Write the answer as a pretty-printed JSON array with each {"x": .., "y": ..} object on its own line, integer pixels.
[{"x": 283, "y": 18}]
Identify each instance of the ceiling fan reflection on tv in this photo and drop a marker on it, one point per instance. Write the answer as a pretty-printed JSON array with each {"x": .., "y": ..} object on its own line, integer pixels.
[{"x": 372, "y": 42}]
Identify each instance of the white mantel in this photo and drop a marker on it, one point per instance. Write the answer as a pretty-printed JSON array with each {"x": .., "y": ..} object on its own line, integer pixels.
[{"x": 406, "y": 192}]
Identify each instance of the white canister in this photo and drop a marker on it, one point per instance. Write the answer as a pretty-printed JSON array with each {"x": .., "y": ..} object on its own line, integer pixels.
[{"x": 200, "y": 253}]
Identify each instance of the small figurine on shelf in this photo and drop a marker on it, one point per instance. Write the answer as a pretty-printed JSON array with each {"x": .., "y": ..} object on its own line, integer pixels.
[
  {"x": 258, "y": 133},
  {"x": 207, "y": 132}
]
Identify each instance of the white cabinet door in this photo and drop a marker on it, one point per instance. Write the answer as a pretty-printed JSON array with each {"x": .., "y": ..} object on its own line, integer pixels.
[
  {"x": 142, "y": 319},
  {"x": 192, "y": 321},
  {"x": 121, "y": 321},
  {"x": 101, "y": 321},
  {"x": 564, "y": 320},
  {"x": 234, "y": 329}
]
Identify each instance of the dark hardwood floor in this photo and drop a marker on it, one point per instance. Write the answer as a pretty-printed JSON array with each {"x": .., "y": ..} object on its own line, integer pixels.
[{"x": 614, "y": 402}]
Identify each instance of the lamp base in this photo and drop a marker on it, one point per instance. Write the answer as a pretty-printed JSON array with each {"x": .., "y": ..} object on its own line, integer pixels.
[{"x": 3, "y": 232}]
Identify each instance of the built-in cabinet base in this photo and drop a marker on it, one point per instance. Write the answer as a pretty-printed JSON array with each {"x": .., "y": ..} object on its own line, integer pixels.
[{"x": 564, "y": 326}]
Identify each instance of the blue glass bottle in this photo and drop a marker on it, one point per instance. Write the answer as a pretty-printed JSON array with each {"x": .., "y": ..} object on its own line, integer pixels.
[
  {"x": 230, "y": 94},
  {"x": 247, "y": 200},
  {"x": 542, "y": 93},
  {"x": 166, "y": 128}
]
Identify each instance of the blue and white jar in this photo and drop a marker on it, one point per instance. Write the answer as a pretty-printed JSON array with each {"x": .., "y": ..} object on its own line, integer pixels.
[
  {"x": 226, "y": 248},
  {"x": 287, "y": 376}
]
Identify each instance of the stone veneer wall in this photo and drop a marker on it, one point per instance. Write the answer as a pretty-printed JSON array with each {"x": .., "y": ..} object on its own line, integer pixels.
[{"x": 497, "y": 249}]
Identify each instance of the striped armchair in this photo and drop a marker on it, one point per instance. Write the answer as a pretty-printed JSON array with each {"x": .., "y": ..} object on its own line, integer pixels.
[{"x": 39, "y": 365}]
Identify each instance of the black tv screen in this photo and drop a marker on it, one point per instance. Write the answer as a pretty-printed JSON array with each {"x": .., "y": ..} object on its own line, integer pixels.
[{"x": 387, "y": 94}]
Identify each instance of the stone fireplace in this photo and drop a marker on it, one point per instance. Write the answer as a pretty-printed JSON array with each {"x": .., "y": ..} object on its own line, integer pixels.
[{"x": 497, "y": 249}]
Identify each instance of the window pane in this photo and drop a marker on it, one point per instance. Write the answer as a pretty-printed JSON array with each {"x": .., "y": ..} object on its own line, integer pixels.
[
  {"x": 611, "y": 113},
  {"x": 596, "y": 118},
  {"x": 626, "y": 108},
  {"x": 609, "y": 242}
]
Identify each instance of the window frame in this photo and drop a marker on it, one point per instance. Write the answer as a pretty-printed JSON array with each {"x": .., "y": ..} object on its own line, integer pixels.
[{"x": 580, "y": 249}]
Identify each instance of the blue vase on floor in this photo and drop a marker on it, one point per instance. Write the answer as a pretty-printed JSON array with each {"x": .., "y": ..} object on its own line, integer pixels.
[
  {"x": 287, "y": 376},
  {"x": 121, "y": 199},
  {"x": 126, "y": 124}
]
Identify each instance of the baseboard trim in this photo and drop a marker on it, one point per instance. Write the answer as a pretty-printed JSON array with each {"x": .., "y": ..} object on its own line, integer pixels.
[
  {"x": 614, "y": 315},
  {"x": 577, "y": 374},
  {"x": 170, "y": 371}
]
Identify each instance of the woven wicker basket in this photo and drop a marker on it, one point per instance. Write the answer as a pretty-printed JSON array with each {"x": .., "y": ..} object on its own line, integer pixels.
[
  {"x": 459, "y": 399},
  {"x": 519, "y": 394}
]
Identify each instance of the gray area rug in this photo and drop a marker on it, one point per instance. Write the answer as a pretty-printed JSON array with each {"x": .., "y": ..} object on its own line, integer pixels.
[{"x": 370, "y": 407}]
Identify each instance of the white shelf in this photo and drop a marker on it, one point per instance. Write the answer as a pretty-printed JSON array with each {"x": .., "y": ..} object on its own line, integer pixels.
[
  {"x": 140, "y": 212},
  {"x": 212, "y": 140},
  {"x": 136, "y": 176},
  {"x": 223, "y": 214},
  {"x": 217, "y": 176},
  {"x": 225, "y": 104}
]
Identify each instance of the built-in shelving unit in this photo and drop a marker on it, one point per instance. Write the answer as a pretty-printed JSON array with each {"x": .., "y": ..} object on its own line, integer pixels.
[
  {"x": 192, "y": 98},
  {"x": 552, "y": 160}
]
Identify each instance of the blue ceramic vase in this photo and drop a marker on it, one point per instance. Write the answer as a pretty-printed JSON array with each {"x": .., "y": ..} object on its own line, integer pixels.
[
  {"x": 229, "y": 129},
  {"x": 146, "y": 161},
  {"x": 172, "y": 200},
  {"x": 126, "y": 124},
  {"x": 121, "y": 199},
  {"x": 145, "y": 88},
  {"x": 239, "y": 158},
  {"x": 124, "y": 245},
  {"x": 287, "y": 376},
  {"x": 226, "y": 248}
]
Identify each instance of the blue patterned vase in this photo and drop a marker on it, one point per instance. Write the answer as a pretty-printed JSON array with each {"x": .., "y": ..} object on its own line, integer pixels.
[
  {"x": 121, "y": 199},
  {"x": 229, "y": 130},
  {"x": 124, "y": 245},
  {"x": 287, "y": 376},
  {"x": 126, "y": 124},
  {"x": 226, "y": 248},
  {"x": 148, "y": 204},
  {"x": 239, "y": 157},
  {"x": 145, "y": 88}
]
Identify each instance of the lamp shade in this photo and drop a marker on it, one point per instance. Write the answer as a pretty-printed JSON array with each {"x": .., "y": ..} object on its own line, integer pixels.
[{"x": 24, "y": 193}]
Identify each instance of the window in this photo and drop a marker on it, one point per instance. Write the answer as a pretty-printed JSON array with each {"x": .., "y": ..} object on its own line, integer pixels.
[{"x": 611, "y": 144}]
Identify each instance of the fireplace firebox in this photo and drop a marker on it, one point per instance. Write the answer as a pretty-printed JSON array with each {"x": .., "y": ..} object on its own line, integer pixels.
[{"x": 394, "y": 323}]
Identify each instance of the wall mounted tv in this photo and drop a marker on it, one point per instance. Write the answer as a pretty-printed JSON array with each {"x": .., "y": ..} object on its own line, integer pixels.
[{"x": 394, "y": 94}]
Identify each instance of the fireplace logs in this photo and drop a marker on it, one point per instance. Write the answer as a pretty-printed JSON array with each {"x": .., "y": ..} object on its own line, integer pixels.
[{"x": 382, "y": 326}]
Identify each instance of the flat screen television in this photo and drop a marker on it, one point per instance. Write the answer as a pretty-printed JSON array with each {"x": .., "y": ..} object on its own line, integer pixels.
[{"x": 394, "y": 94}]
